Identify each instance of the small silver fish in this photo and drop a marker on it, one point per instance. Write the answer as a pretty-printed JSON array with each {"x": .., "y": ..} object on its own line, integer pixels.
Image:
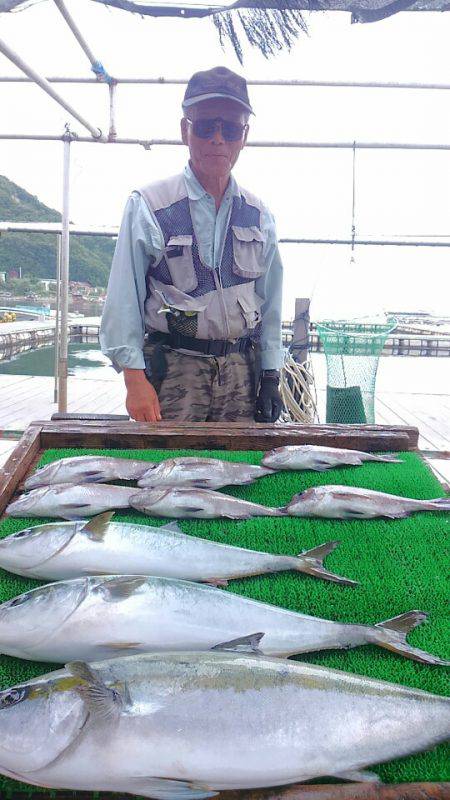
[
  {"x": 106, "y": 617},
  {"x": 204, "y": 473},
  {"x": 348, "y": 502},
  {"x": 69, "y": 501},
  {"x": 308, "y": 456},
  {"x": 199, "y": 503},
  {"x": 87, "y": 469},
  {"x": 61, "y": 550}
]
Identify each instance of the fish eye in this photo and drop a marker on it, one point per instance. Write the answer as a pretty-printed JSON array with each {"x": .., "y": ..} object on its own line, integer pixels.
[
  {"x": 12, "y": 696},
  {"x": 21, "y": 534},
  {"x": 18, "y": 601}
]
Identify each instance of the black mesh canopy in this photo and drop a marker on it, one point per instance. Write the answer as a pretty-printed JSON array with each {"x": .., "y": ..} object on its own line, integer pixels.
[{"x": 269, "y": 25}]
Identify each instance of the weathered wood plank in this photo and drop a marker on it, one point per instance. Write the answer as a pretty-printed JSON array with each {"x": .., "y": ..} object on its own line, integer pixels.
[
  {"x": 18, "y": 464},
  {"x": 230, "y": 436}
]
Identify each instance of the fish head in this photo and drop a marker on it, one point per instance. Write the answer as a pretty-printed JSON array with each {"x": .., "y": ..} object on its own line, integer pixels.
[
  {"x": 30, "y": 618},
  {"x": 148, "y": 498},
  {"x": 279, "y": 457},
  {"x": 158, "y": 474},
  {"x": 301, "y": 504},
  {"x": 51, "y": 473},
  {"x": 27, "y": 503},
  {"x": 38, "y": 722},
  {"x": 30, "y": 547}
]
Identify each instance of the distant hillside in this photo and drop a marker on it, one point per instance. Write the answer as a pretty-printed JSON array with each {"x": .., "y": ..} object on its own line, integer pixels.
[{"x": 90, "y": 256}]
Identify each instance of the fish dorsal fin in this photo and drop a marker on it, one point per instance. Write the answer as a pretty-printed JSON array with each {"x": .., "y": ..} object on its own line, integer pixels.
[
  {"x": 172, "y": 526},
  {"x": 122, "y": 586},
  {"x": 101, "y": 701},
  {"x": 245, "y": 644},
  {"x": 97, "y": 527}
]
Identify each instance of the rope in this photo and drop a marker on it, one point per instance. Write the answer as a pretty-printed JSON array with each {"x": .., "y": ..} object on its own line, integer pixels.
[{"x": 298, "y": 391}]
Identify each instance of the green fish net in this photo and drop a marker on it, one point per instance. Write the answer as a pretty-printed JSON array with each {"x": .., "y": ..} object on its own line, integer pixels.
[{"x": 352, "y": 352}]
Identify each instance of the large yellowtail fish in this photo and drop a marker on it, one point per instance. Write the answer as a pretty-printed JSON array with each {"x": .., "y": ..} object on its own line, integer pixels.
[
  {"x": 184, "y": 726},
  {"x": 103, "y": 617}
]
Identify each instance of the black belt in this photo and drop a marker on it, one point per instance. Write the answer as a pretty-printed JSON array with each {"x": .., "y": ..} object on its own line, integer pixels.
[{"x": 209, "y": 347}]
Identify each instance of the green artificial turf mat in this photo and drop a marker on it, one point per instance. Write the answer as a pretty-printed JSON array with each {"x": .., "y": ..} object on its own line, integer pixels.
[{"x": 399, "y": 564}]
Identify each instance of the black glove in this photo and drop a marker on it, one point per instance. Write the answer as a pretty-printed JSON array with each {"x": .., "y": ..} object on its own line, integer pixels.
[{"x": 268, "y": 404}]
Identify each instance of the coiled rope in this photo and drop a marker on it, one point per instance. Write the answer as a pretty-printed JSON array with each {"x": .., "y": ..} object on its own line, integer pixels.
[{"x": 298, "y": 391}]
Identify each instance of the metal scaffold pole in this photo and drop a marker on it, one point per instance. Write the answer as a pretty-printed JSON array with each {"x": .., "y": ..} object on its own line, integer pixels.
[
  {"x": 64, "y": 282},
  {"x": 58, "y": 310}
]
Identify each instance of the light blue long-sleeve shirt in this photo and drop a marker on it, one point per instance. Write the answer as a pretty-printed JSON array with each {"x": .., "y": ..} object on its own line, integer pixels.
[{"x": 140, "y": 239}]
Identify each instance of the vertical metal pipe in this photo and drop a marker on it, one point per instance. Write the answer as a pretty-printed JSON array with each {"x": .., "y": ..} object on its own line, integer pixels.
[
  {"x": 112, "y": 111},
  {"x": 57, "y": 317},
  {"x": 64, "y": 303}
]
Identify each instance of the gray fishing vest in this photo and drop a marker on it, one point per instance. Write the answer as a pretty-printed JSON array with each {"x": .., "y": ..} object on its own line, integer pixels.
[{"x": 189, "y": 297}]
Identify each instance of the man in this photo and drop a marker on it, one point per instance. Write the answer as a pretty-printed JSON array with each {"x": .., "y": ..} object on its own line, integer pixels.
[{"x": 193, "y": 308}]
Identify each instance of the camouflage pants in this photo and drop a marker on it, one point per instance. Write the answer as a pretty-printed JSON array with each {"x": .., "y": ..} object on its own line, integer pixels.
[{"x": 198, "y": 388}]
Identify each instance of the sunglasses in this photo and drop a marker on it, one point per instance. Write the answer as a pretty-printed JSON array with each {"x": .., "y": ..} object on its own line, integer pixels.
[{"x": 206, "y": 128}]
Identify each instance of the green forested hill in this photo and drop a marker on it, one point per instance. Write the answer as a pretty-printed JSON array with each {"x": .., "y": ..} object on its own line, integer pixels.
[{"x": 90, "y": 257}]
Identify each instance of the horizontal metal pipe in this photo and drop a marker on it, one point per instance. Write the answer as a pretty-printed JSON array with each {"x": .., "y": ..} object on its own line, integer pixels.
[
  {"x": 111, "y": 231},
  {"x": 281, "y": 82},
  {"x": 45, "y": 85},
  {"x": 149, "y": 143},
  {"x": 374, "y": 242}
]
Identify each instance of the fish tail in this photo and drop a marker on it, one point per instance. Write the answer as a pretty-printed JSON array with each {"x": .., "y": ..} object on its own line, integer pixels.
[
  {"x": 389, "y": 457},
  {"x": 391, "y": 634},
  {"x": 440, "y": 504},
  {"x": 311, "y": 562}
]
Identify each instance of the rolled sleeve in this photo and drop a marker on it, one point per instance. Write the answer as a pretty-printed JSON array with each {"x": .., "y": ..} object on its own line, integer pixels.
[
  {"x": 122, "y": 327},
  {"x": 270, "y": 288}
]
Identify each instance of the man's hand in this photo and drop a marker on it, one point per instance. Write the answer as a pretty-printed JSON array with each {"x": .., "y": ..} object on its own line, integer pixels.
[
  {"x": 142, "y": 401},
  {"x": 268, "y": 404}
]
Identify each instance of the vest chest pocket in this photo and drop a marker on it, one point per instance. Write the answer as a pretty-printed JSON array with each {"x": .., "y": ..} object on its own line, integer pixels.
[
  {"x": 248, "y": 252},
  {"x": 180, "y": 263}
]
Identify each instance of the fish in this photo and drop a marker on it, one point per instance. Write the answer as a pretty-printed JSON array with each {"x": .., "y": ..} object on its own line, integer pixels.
[
  {"x": 204, "y": 473},
  {"x": 185, "y": 503},
  {"x": 62, "y": 550},
  {"x": 101, "y": 617},
  {"x": 71, "y": 501},
  {"x": 352, "y": 502},
  {"x": 87, "y": 469},
  {"x": 309, "y": 456},
  {"x": 185, "y": 726}
]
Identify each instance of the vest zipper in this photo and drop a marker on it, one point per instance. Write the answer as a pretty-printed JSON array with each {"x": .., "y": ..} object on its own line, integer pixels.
[{"x": 219, "y": 287}]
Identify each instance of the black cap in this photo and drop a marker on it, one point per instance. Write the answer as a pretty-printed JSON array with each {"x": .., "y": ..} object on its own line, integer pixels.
[{"x": 217, "y": 82}]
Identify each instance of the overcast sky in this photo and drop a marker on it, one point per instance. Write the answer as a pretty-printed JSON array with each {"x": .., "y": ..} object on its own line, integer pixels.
[{"x": 398, "y": 193}]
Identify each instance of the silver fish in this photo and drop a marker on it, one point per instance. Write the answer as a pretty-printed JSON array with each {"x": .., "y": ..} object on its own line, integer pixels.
[
  {"x": 204, "y": 473},
  {"x": 69, "y": 501},
  {"x": 201, "y": 503},
  {"x": 184, "y": 726},
  {"x": 87, "y": 469},
  {"x": 348, "y": 502},
  {"x": 61, "y": 550},
  {"x": 104, "y": 617},
  {"x": 309, "y": 456}
]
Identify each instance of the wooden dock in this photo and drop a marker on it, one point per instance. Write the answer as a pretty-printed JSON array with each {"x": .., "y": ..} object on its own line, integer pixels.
[{"x": 24, "y": 398}]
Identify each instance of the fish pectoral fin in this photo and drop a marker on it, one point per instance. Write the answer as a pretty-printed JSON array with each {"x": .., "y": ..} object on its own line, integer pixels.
[
  {"x": 122, "y": 586},
  {"x": 102, "y": 702},
  {"x": 358, "y": 776},
  {"x": 245, "y": 644},
  {"x": 191, "y": 509},
  {"x": 168, "y": 789},
  {"x": 121, "y": 645},
  {"x": 97, "y": 526}
]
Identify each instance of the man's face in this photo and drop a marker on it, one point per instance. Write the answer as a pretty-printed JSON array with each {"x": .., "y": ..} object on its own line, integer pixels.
[{"x": 213, "y": 157}]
